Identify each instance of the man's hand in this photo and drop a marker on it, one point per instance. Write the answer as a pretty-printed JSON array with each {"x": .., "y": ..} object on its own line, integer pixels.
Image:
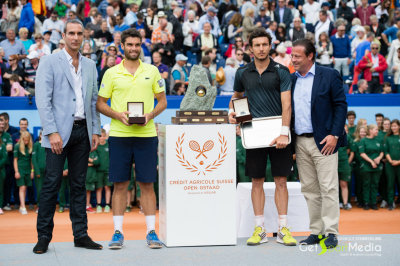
[
  {"x": 330, "y": 145},
  {"x": 17, "y": 175},
  {"x": 65, "y": 172},
  {"x": 148, "y": 117},
  {"x": 232, "y": 119},
  {"x": 32, "y": 175},
  {"x": 372, "y": 69},
  {"x": 348, "y": 61},
  {"x": 95, "y": 142},
  {"x": 281, "y": 142},
  {"x": 123, "y": 118},
  {"x": 56, "y": 143}
]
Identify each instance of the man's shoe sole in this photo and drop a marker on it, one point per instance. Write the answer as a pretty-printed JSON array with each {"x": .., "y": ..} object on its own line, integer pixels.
[
  {"x": 95, "y": 248},
  {"x": 115, "y": 247},
  {"x": 285, "y": 244},
  {"x": 155, "y": 246},
  {"x": 39, "y": 251},
  {"x": 256, "y": 244}
]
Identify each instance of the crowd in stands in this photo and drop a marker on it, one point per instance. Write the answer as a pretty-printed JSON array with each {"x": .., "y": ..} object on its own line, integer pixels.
[
  {"x": 368, "y": 169},
  {"x": 359, "y": 38}
]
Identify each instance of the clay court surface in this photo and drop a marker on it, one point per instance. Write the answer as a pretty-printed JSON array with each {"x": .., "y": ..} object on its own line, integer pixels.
[{"x": 17, "y": 228}]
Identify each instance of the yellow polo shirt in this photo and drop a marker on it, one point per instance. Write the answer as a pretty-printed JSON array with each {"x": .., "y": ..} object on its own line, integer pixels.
[{"x": 122, "y": 87}]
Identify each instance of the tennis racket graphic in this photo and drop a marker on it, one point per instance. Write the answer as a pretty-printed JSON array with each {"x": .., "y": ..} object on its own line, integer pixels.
[{"x": 208, "y": 145}]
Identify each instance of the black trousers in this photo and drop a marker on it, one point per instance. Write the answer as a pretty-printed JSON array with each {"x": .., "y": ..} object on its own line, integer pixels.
[
  {"x": 77, "y": 153},
  {"x": 374, "y": 86}
]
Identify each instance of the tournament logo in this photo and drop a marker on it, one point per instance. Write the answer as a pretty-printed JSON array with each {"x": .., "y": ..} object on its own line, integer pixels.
[{"x": 198, "y": 165}]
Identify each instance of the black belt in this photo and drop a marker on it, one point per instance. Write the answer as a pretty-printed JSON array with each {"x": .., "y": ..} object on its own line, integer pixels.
[
  {"x": 307, "y": 135},
  {"x": 81, "y": 122}
]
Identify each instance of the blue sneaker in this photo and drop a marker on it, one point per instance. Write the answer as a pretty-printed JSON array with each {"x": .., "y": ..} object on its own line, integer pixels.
[
  {"x": 117, "y": 241},
  {"x": 152, "y": 240}
]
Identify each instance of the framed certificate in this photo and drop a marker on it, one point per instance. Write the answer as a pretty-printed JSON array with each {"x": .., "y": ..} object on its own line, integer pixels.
[
  {"x": 242, "y": 110},
  {"x": 136, "y": 113},
  {"x": 260, "y": 132}
]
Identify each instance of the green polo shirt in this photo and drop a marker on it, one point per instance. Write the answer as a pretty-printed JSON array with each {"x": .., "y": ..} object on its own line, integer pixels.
[{"x": 392, "y": 146}]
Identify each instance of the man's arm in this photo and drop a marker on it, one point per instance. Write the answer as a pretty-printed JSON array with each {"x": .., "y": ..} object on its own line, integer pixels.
[
  {"x": 232, "y": 114},
  {"x": 95, "y": 115},
  {"x": 106, "y": 110}
]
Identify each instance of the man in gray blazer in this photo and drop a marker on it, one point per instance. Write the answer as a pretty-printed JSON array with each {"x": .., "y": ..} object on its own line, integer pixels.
[{"x": 66, "y": 95}]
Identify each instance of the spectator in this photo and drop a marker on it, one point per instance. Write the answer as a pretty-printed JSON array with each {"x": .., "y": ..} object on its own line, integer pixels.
[
  {"x": 177, "y": 32},
  {"x": 61, "y": 8},
  {"x": 232, "y": 9},
  {"x": 204, "y": 42},
  {"x": 162, "y": 27},
  {"x": 281, "y": 33},
  {"x": 104, "y": 35},
  {"x": 293, "y": 9},
  {"x": 30, "y": 72},
  {"x": 364, "y": 47},
  {"x": 95, "y": 24},
  {"x": 179, "y": 89},
  {"x": 23, "y": 37},
  {"x": 382, "y": 11},
  {"x": 83, "y": 10},
  {"x": 11, "y": 19},
  {"x": 120, "y": 25},
  {"x": 166, "y": 49},
  {"x": 109, "y": 63},
  {"x": 326, "y": 7},
  {"x": 223, "y": 9},
  {"x": 360, "y": 37},
  {"x": 395, "y": 69},
  {"x": 162, "y": 68},
  {"x": 310, "y": 12},
  {"x": 364, "y": 12},
  {"x": 341, "y": 51},
  {"x": 146, "y": 47},
  {"x": 389, "y": 35},
  {"x": 39, "y": 46},
  {"x": 61, "y": 45},
  {"x": 190, "y": 29},
  {"x": 211, "y": 18},
  {"x": 87, "y": 51},
  {"x": 362, "y": 86},
  {"x": 282, "y": 57},
  {"x": 378, "y": 29},
  {"x": 12, "y": 46},
  {"x": 387, "y": 88},
  {"x": 141, "y": 24},
  {"x": 55, "y": 26},
  {"x": 324, "y": 50},
  {"x": 248, "y": 4},
  {"x": 179, "y": 72},
  {"x": 345, "y": 12},
  {"x": 72, "y": 15},
  {"x": 229, "y": 72},
  {"x": 283, "y": 14},
  {"x": 263, "y": 18},
  {"x": 234, "y": 28},
  {"x": 323, "y": 25},
  {"x": 16, "y": 89},
  {"x": 14, "y": 68},
  {"x": 27, "y": 19},
  {"x": 206, "y": 63},
  {"x": 373, "y": 65},
  {"x": 46, "y": 41},
  {"x": 271, "y": 30},
  {"x": 131, "y": 17},
  {"x": 239, "y": 54},
  {"x": 297, "y": 32},
  {"x": 87, "y": 38},
  {"x": 355, "y": 24},
  {"x": 248, "y": 24}
]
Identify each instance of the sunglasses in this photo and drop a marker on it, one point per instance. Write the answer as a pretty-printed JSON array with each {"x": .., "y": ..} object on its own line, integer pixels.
[
  {"x": 374, "y": 48},
  {"x": 239, "y": 54},
  {"x": 9, "y": 60}
]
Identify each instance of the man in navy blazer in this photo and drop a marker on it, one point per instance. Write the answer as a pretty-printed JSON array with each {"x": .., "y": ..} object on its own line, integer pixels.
[
  {"x": 319, "y": 116},
  {"x": 283, "y": 14}
]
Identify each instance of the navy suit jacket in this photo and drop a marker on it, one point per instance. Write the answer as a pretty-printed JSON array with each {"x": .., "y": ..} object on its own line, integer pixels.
[{"x": 328, "y": 106}]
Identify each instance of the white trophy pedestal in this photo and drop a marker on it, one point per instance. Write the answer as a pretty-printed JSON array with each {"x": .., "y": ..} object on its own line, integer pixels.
[{"x": 197, "y": 185}]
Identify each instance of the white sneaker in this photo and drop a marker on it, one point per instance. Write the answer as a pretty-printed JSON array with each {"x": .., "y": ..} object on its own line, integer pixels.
[
  {"x": 349, "y": 205},
  {"x": 384, "y": 204},
  {"x": 23, "y": 211},
  {"x": 1, "y": 211},
  {"x": 7, "y": 208},
  {"x": 341, "y": 205}
]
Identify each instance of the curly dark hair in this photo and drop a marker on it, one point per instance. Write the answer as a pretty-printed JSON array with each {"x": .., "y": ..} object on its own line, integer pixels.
[{"x": 258, "y": 33}]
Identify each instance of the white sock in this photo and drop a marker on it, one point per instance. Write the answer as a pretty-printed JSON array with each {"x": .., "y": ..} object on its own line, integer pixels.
[
  {"x": 282, "y": 221},
  {"x": 118, "y": 221},
  {"x": 151, "y": 222},
  {"x": 259, "y": 220}
]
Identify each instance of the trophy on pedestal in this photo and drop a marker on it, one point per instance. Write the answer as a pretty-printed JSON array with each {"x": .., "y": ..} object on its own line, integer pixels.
[{"x": 196, "y": 106}]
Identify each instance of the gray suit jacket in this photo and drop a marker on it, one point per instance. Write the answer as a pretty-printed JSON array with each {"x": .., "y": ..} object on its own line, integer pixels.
[{"x": 55, "y": 97}]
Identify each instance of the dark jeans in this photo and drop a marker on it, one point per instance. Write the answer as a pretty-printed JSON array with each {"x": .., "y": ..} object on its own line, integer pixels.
[
  {"x": 77, "y": 153},
  {"x": 374, "y": 85}
]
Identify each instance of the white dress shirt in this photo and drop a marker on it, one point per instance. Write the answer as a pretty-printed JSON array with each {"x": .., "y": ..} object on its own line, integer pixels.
[
  {"x": 77, "y": 86},
  {"x": 302, "y": 102}
]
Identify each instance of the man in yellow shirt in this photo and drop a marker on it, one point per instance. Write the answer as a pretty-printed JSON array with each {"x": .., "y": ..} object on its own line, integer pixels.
[{"x": 132, "y": 81}]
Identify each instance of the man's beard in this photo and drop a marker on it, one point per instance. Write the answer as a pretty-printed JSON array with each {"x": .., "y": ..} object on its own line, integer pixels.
[
  {"x": 260, "y": 59},
  {"x": 127, "y": 56}
]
